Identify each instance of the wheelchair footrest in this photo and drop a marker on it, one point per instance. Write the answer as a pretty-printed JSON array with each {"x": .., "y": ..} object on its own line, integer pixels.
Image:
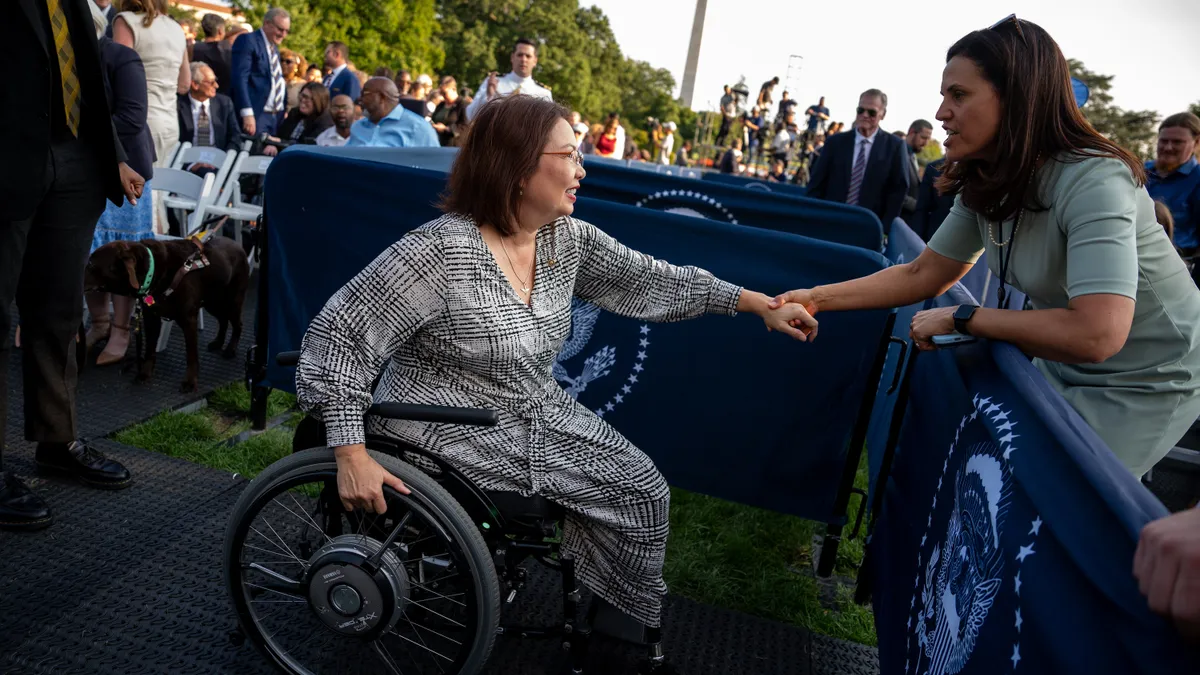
[{"x": 612, "y": 622}]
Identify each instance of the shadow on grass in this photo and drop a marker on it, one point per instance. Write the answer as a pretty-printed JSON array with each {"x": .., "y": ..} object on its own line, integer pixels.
[{"x": 718, "y": 553}]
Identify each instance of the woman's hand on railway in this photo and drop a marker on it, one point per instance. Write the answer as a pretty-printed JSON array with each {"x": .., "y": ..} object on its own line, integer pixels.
[{"x": 361, "y": 479}]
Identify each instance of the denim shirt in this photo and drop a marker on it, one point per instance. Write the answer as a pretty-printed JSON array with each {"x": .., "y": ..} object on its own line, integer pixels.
[{"x": 1180, "y": 192}]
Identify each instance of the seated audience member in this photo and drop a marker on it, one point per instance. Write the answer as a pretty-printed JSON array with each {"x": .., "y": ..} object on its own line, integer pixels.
[
  {"x": 206, "y": 118},
  {"x": 342, "y": 112},
  {"x": 387, "y": 124},
  {"x": 307, "y": 120},
  {"x": 449, "y": 118},
  {"x": 778, "y": 172},
  {"x": 450, "y": 303}
]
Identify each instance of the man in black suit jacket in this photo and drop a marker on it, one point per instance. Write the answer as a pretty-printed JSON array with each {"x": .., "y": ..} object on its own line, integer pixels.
[
  {"x": 222, "y": 120},
  {"x": 919, "y": 133},
  {"x": 932, "y": 208},
  {"x": 879, "y": 183},
  {"x": 62, "y": 159}
]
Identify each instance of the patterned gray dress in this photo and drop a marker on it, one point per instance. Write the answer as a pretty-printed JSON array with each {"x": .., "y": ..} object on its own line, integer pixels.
[{"x": 439, "y": 312}]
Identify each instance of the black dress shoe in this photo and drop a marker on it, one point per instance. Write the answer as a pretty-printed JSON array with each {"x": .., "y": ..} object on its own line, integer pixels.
[
  {"x": 78, "y": 459},
  {"x": 20, "y": 509}
]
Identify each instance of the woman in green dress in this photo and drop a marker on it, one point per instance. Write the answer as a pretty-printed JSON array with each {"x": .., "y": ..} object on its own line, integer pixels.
[{"x": 1064, "y": 217}]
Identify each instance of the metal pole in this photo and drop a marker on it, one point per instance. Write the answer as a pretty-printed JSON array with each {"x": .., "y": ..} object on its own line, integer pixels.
[{"x": 688, "y": 86}]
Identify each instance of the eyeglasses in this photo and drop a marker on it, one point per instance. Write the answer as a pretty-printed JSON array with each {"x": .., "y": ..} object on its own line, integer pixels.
[
  {"x": 1011, "y": 18},
  {"x": 871, "y": 112},
  {"x": 575, "y": 156}
]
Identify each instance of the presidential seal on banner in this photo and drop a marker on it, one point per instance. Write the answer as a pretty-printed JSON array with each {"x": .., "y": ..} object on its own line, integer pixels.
[
  {"x": 966, "y": 602},
  {"x": 687, "y": 203},
  {"x": 600, "y": 377}
]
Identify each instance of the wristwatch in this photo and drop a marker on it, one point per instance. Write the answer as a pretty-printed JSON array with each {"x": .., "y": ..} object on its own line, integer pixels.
[{"x": 962, "y": 315}]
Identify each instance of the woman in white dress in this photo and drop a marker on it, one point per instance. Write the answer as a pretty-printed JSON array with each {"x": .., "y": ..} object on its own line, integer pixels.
[
  {"x": 144, "y": 26},
  {"x": 471, "y": 309}
]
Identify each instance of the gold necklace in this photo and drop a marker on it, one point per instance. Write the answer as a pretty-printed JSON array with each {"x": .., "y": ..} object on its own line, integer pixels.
[
  {"x": 1020, "y": 215},
  {"x": 524, "y": 285}
]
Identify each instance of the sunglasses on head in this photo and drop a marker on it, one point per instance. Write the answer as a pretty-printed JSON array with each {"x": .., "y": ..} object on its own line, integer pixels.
[
  {"x": 1012, "y": 20},
  {"x": 871, "y": 112}
]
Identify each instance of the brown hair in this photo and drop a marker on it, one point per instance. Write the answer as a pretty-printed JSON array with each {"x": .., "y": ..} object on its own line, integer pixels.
[
  {"x": 503, "y": 149},
  {"x": 1163, "y": 215},
  {"x": 320, "y": 98},
  {"x": 1039, "y": 118},
  {"x": 151, "y": 8},
  {"x": 1183, "y": 120}
]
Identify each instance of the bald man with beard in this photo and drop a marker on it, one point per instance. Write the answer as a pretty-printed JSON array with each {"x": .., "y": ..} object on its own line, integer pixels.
[{"x": 387, "y": 124}]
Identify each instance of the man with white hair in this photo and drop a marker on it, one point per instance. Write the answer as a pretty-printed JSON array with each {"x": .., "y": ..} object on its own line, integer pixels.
[
  {"x": 207, "y": 118},
  {"x": 259, "y": 89}
]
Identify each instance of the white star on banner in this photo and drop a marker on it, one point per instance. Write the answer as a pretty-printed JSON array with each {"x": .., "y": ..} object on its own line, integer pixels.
[
  {"x": 633, "y": 378},
  {"x": 626, "y": 389},
  {"x": 1008, "y": 438},
  {"x": 1007, "y": 426},
  {"x": 619, "y": 398},
  {"x": 1025, "y": 552},
  {"x": 641, "y": 355},
  {"x": 645, "y": 329},
  {"x": 1002, "y": 416},
  {"x": 644, "y": 342},
  {"x": 1008, "y": 453},
  {"x": 637, "y": 367},
  {"x": 1019, "y": 622},
  {"x": 609, "y": 407},
  {"x": 1017, "y": 581},
  {"x": 1016, "y": 655},
  {"x": 991, "y": 409},
  {"x": 1037, "y": 526}
]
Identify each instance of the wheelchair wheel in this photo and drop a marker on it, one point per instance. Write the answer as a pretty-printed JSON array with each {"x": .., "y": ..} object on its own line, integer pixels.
[{"x": 321, "y": 590}]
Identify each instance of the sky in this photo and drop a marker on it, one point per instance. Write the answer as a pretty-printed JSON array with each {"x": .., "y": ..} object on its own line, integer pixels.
[{"x": 1152, "y": 47}]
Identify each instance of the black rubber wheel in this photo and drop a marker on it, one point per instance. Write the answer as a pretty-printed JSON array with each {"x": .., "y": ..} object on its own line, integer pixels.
[{"x": 441, "y": 584}]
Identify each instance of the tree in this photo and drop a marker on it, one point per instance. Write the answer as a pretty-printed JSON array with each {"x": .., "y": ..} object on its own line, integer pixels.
[
  {"x": 930, "y": 153},
  {"x": 1194, "y": 108},
  {"x": 1134, "y": 130},
  {"x": 394, "y": 33}
]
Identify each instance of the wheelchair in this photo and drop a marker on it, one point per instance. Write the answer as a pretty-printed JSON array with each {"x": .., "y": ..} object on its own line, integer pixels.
[{"x": 417, "y": 589}]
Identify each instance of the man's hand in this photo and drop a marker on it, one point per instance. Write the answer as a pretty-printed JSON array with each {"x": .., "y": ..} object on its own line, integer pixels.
[
  {"x": 493, "y": 79},
  {"x": 1167, "y": 567},
  {"x": 131, "y": 183},
  {"x": 248, "y": 125}
]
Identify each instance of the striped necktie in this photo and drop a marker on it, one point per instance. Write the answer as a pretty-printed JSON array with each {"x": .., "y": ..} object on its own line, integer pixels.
[
  {"x": 203, "y": 128},
  {"x": 856, "y": 176},
  {"x": 66, "y": 64},
  {"x": 277, "y": 85}
]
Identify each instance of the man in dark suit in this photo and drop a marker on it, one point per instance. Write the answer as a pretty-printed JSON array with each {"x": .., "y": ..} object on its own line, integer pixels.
[
  {"x": 919, "y": 133},
  {"x": 864, "y": 166},
  {"x": 932, "y": 208},
  {"x": 340, "y": 79},
  {"x": 211, "y": 52},
  {"x": 63, "y": 159},
  {"x": 206, "y": 111},
  {"x": 259, "y": 90}
]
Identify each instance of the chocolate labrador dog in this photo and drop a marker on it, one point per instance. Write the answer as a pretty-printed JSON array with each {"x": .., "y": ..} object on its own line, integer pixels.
[{"x": 173, "y": 279}]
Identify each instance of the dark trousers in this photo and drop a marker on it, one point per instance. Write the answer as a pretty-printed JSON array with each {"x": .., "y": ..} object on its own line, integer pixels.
[
  {"x": 42, "y": 260},
  {"x": 726, "y": 123}
]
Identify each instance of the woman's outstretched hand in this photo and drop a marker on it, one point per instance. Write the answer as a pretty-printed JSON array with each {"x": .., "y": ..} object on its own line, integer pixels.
[
  {"x": 361, "y": 479},
  {"x": 789, "y": 318},
  {"x": 802, "y": 297}
]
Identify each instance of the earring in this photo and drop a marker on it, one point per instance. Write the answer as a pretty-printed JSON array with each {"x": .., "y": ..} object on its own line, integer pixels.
[{"x": 520, "y": 193}]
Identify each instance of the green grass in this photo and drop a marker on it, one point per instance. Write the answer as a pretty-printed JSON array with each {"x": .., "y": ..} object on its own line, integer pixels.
[{"x": 719, "y": 553}]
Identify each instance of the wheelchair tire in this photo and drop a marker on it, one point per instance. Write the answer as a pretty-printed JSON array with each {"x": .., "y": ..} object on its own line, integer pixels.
[{"x": 427, "y": 494}]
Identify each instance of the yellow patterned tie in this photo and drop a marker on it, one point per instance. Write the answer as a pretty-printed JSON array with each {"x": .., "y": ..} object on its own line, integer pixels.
[{"x": 66, "y": 63}]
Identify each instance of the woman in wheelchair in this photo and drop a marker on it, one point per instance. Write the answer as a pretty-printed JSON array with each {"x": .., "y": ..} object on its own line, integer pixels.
[{"x": 471, "y": 309}]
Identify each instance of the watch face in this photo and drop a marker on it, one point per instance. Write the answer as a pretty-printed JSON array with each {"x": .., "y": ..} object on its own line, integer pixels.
[{"x": 964, "y": 311}]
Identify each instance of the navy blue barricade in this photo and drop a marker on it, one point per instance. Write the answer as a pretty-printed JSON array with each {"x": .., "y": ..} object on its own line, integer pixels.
[
  {"x": 722, "y": 406},
  {"x": 1006, "y": 538},
  {"x": 828, "y": 221},
  {"x": 756, "y": 184}
]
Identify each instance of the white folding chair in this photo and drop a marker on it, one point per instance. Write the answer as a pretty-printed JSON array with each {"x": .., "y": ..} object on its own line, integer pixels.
[
  {"x": 230, "y": 203},
  {"x": 188, "y": 155},
  {"x": 200, "y": 192}
]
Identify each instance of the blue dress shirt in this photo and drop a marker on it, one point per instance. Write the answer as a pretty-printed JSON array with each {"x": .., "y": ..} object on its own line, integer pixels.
[
  {"x": 400, "y": 129},
  {"x": 1180, "y": 191}
]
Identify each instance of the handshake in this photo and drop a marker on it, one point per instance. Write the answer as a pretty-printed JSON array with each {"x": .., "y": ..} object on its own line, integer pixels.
[{"x": 790, "y": 313}]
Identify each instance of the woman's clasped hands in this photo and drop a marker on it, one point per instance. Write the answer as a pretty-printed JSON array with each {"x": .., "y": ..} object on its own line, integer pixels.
[{"x": 790, "y": 318}]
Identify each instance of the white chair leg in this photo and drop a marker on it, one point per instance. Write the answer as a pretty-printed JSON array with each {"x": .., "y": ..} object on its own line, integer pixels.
[{"x": 164, "y": 337}]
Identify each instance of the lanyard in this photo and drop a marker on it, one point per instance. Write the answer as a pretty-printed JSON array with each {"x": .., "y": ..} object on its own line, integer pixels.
[{"x": 1005, "y": 254}]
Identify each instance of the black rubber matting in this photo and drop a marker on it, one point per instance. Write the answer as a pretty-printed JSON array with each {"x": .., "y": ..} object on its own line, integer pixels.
[{"x": 129, "y": 582}]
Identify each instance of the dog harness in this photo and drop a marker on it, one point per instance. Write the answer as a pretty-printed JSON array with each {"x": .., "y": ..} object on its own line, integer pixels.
[{"x": 195, "y": 261}]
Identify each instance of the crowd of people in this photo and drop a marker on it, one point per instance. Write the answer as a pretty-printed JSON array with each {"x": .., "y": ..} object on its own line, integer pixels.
[{"x": 1063, "y": 214}]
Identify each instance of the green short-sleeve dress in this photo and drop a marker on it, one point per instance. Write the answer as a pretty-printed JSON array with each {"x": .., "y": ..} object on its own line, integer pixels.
[{"x": 1099, "y": 235}]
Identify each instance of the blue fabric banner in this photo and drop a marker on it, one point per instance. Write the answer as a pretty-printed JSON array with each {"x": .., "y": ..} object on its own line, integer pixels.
[
  {"x": 814, "y": 218},
  {"x": 1006, "y": 539},
  {"x": 757, "y": 184},
  {"x": 713, "y": 401}
]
